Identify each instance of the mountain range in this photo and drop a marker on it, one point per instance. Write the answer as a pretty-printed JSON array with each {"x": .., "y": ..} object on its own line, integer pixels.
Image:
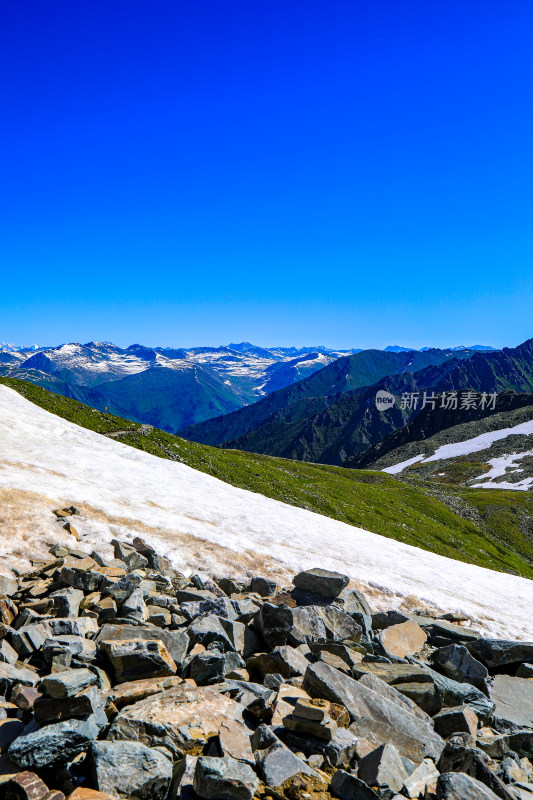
[
  {"x": 167, "y": 387},
  {"x": 308, "y": 404},
  {"x": 332, "y": 416}
]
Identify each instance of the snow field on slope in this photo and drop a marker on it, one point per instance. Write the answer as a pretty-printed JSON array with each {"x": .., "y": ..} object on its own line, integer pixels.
[
  {"x": 499, "y": 466},
  {"x": 200, "y": 522}
]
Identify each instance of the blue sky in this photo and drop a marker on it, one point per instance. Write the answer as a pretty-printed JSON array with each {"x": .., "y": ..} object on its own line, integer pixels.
[{"x": 351, "y": 174}]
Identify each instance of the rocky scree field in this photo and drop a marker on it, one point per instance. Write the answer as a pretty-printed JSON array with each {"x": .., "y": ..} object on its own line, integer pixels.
[{"x": 122, "y": 678}]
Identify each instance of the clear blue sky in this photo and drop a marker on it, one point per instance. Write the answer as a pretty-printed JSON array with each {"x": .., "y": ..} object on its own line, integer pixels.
[{"x": 348, "y": 173}]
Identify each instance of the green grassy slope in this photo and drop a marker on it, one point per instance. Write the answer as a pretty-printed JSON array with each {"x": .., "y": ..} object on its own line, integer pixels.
[{"x": 468, "y": 525}]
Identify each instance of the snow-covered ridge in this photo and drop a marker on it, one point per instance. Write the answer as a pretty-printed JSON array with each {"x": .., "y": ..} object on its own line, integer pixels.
[
  {"x": 201, "y": 522},
  {"x": 95, "y": 363},
  {"x": 499, "y": 466}
]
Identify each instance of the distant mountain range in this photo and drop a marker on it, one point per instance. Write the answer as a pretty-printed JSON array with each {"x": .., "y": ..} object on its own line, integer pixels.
[
  {"x": 309, "y": 404},
  {"x": 166, "y": 387},
  {"x": 332, "y": 416}
]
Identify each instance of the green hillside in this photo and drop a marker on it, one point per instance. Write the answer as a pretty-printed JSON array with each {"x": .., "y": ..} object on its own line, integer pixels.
[{"x": 485, "y": 528}]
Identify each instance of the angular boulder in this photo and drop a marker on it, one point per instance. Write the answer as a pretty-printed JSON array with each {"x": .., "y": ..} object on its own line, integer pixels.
[
  {"x": 321, "y": 680},
  {"x": 130, "y": 770},
  {"x": 183, "y": 720},
  {"x": 458, "y": 786},
  {"x": 321, "y": 582},
  {"x": 55, "y": 744},
  {"x": 224, "y": 779},
  {"x": 133, "y": 659}
]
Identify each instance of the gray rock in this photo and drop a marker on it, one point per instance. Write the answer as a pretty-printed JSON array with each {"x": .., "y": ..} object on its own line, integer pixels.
[
  {"x": 130, "y": 770},
  {"x": 224, "y": 779},
  {"x": 49, "y": 709},
  {"x": 263, "y": 586},
  {"x": 88, "y": 581},
  {"x": 9, "y": 730},
  {"x": 77, "y": 646},
  {"x": 7, "y": 654},
  {"x": 440, "y": 632},
  {"x": 422, "y": 779},
  {"x": 68, "y": 682},
  {"x": 121, "y": 590},
  {"x": 458, "y": 786},
  {"x": 183, "y": 782},
  {"x": 134, "y": 607},
  {"x": 321, "y": 582},
  {"x": 129, "y": 555},
  {"x": 341, "y": 749},
  {"x": 206, "y": 668},
  {"x": 54, "y": 744},
  {"x": 231, "y": 586},
  {"x": 427, "y": 696},
  {"x": 30, "y": 638},
  {"x": 275, "y": 624},
  {"x": 385, "y": 619},
  {"x": 284, "y": 660},
  {"x": 8, "y": 586},
  {"x": 66, "y": 626},
  {"x": 354, "y": 602},
  {"x": 339, "y": 625},
  {"x": 176, "y": 642},
  {"x": 133, "y": 659},
  {"x": 461, "y": 719},
  {"x": 372, "y": 681},
  {"x": 67, "y": 602},
  {"x": 348, "y": 787},
  {"x": 220, "y": 607},
  {"x": 245, "y": 608},
  {"x": 211, "y": 630},
  {"x": 457, "y": 662},
  {"x": 513, "y": 699},
  {"x": 458, "y": 694},
  {"x": 10, "y": 676},
  {"x": 275, "y": 762},
  {"x": 496, "y": 653},
  {"x": 457, "y": 758},
  {"x": 383, "y": 767},
  {"x": 323, "y": 681},
  {"x": 498, "y": 746},
  {"x": 192, "y": 595}
]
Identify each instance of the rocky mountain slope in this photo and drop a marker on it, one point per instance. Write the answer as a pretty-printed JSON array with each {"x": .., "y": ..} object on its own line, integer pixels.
[
  {"x": 495, "y": 452},
  {"x": 316, "y": 393},
  {"x": 128, "y": 680}
]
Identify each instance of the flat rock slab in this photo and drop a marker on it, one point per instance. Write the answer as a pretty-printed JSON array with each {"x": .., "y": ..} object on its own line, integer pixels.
[
  {"x": 458, "y": 786},
  {"x": 513, "y": 698},
  {"x": 321, "y": 680},
  {"x": 403, "y": 640},
  {"x": 499, "y": 653},
  {"x": 183, "y": 719}
]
